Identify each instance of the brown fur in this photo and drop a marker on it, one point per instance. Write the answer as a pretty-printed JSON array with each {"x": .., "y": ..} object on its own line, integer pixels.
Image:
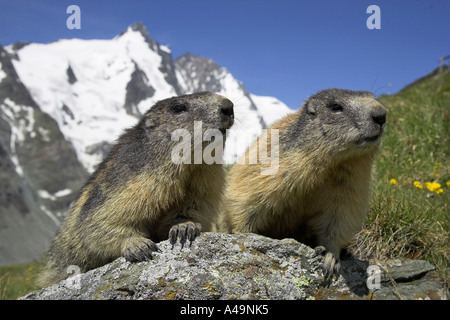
[
  {"x": 320, "y": 193},
  {"x": 139, "y": 196}
]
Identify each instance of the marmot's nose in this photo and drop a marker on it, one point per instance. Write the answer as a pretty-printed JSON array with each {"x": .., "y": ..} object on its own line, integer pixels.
[
  {"x": 379, "y": 116},
  {"x": 226, "y": 107}
]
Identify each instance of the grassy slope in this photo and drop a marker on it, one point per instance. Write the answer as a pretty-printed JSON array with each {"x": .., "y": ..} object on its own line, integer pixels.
[
  {"x": 18, "y": 280},
  {"x": 406, "y": 220}
]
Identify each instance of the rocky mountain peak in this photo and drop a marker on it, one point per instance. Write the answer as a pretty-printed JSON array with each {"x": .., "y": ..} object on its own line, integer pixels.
[
  {"x": 199, "y": 73},
  {"x": 138, "y": 27}
]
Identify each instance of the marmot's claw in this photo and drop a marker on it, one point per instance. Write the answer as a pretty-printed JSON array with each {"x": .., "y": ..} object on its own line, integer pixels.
[
  {"x": 184, "y": 231},
  {"x": 331, "y": 266},
  {"x": 331, "y": 263},
  {"x": 319, "y": 250},
  {"x": 140, "y": 250}
]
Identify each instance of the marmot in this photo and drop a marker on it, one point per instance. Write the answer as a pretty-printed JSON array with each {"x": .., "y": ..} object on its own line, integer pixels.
[
  {"x": 139, "y": 196},
  {"x": 319, "y": 193}
]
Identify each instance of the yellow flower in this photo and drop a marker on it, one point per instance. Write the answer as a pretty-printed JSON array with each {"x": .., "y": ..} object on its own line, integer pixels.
[
  {"x": 393, "y": 181},
  {"x": 418, "y": 185},
  {"x": 434, "y": 187},
  {"x": 448, "y": 183}
]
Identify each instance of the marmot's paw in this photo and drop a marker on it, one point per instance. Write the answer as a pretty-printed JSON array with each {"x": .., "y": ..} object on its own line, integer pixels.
[
  {"x": 139, "y": 249},
  {"x": 331, "y": 266},
  {"x": 184, "y": 231},
  {"x": 331, "y": 263}
]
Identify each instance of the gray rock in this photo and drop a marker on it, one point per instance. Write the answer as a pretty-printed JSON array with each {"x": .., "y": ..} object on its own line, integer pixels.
[
  {"x": 241, "y": 266},
  {"x": 137, "y": 90}
]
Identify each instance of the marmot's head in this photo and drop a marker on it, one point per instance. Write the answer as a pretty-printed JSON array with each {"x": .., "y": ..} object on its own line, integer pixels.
[
  {"x": 344, "y": 120},
  {"x": 183, "y": 127},
  {"x": 212, "y": 110}
]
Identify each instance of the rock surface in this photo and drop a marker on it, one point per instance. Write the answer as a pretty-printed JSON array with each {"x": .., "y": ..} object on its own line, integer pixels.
[{"x": 246, "y": 266}]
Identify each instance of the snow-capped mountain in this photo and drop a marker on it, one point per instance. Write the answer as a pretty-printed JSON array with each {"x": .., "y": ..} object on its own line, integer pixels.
[
  {"x": 63, "y": 104},
  {"x": 96, "y": 88}
]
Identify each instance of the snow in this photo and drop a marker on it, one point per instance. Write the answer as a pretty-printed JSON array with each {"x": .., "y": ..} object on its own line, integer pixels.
[
  {"x": 21, "y": 122},
  {"x": 271, "y": 108},
  {"x": 96, "y": 99},
  {"x": 247, "y": 126},
  {"x": 50, "y": 215},
  {"x": 63, "y": 193},
  {"x": 165, "y": 48},
  {"x": 2, "y": 73},
  {"x": 97, "y": 95},
  {"x": 44, "y": 134},
  {"x": 45, "y": 195}
]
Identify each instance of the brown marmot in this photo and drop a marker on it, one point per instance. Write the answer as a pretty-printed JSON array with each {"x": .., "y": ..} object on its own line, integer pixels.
[
  {"x": 319, "y": 191},
  {"x": 139, "y": 195}
]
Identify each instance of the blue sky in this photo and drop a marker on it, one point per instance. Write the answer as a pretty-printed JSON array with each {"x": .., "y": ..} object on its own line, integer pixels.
[{"x": 289, "y": 49}]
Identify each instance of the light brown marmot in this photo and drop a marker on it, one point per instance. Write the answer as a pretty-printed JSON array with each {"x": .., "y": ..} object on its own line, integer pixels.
[
  {"x": 319, "y": 193},
  {"x": 139, "y": 196}
]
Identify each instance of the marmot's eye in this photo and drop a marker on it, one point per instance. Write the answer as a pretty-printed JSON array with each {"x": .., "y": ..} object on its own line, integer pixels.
[
  {"x": 336, "y": 107},
  {"x": 179, "y": 108}
]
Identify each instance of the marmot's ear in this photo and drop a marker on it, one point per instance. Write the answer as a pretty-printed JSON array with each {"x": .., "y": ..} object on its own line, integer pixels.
[{"x": 310, "y": 108}]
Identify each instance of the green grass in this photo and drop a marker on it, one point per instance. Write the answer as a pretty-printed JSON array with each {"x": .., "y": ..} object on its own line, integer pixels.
[
  {"x": 18, "y": 280},
  {"x": 406, "y": 221}
]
